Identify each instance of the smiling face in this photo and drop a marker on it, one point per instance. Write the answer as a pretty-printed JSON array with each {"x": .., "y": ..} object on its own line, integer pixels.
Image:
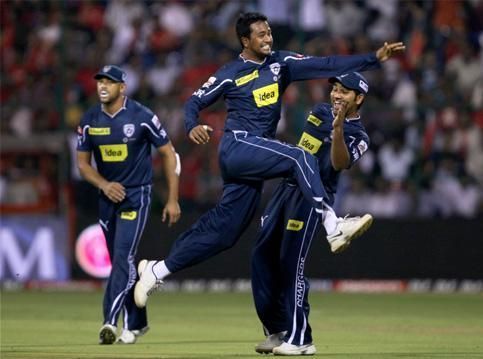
[
  {"x": 340, "y": 94},
  {"x": 259, "y": 44}
]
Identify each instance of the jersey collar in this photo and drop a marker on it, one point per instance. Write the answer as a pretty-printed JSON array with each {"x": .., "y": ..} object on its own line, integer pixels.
[
  {"x": 123, "y": 107},
  {"x": 255, "y": 62}
]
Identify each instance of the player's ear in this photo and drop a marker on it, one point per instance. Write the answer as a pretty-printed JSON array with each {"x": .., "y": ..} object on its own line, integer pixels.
[
  {"x": 360, "y": 98},
  {"x": 123, "y": 87},
  {"x": 245, "y": 41}
]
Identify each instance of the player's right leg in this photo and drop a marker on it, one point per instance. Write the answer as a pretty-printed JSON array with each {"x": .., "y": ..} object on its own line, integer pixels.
[
  {"x": 265, "y": 274},
  {"x": 301, "y": 225},
  {"x": 107, "y": 221},
  {"x": 129, "y": 221},
  {"x": 215, "y": 231}
]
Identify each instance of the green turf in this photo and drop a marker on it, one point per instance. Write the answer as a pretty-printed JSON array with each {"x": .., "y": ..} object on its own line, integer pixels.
[{"x": 54, "y": 325}]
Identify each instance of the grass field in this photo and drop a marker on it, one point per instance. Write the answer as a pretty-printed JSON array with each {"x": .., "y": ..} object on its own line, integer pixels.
[{"x": 55, "y": 325}]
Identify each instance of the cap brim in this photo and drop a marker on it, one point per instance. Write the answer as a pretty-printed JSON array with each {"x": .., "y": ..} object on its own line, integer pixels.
[{"x": 107, "y": 76}]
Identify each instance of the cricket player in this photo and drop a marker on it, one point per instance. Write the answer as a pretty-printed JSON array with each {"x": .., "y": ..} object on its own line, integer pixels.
[
  {"x": 335, "y": 135},
  {"x": 119, "y": 132},
  {"x": 252, "y": 86}
]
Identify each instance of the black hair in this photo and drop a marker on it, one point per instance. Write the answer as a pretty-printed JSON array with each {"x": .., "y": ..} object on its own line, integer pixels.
[{"x": 243, "y": 24}]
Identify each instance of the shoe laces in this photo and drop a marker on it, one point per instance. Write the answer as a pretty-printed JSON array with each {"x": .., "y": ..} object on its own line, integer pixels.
[
  {"x": 156, "y": 287},
  {"x": 347, "y": 218}
]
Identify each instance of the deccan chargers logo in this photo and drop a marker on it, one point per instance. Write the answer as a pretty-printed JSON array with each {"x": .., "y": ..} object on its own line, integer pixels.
[{"x": 91, "y": 252}]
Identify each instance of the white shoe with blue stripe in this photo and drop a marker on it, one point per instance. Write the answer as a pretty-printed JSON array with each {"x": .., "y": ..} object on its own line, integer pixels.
[{"x": 147, "y": 283}]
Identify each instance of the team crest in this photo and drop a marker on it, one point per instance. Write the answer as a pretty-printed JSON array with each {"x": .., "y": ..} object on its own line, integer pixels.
[
  {"x": 128, "y": 129},
  {"x": 275, "y": 68}
]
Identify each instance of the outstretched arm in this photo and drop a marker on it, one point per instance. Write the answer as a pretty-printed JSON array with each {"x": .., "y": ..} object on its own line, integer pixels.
[{"x": 308, "y": 67}]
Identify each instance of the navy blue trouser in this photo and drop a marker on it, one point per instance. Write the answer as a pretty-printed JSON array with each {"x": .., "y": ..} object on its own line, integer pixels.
[
  {"x": 280, "y": 289},
  {"x": 245, "y": 161},
  {"x": 123, "y": 224}
]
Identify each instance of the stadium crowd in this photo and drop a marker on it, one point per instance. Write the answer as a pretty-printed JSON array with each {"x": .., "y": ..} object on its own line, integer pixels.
[{"x": 424, "y": 115}]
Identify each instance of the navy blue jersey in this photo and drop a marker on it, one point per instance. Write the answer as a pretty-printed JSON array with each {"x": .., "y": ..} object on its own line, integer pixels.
[
  {"x": 121, "y": 143},
  {"x": 253, "y": 91},
  {"x": 316, "y": 139}
]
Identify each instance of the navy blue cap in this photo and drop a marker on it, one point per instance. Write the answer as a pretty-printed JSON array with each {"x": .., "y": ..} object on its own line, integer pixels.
[
  {"x": 352, "y": 80},
  {"x": 113, "y": 72}
]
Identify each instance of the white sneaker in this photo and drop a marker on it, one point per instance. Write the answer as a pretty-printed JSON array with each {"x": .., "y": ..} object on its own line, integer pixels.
[
  {"x": 347, "y": 229},
  {"x": 130, "y": 336},
  {"x": 291, "y": 349},
  {"x": 146, "y": 284},
  {"x": 107, "y": 334},
  {"x": 272, "y": 341}
]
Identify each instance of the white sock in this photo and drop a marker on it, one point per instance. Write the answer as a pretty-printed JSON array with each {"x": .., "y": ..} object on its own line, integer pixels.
[
  {"x": 160, "y": 270},
  {"x": 330, "y": 220}
]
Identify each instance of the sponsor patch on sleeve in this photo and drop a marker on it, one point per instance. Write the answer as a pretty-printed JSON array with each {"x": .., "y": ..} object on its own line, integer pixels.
[
  {"x": 309, "y": 143},
  {"x": 362, "y": 146},
  {"x": 210, "y": 82},
  {"x": 314, "y": 119},
  {"x": 156, "y": 122}
]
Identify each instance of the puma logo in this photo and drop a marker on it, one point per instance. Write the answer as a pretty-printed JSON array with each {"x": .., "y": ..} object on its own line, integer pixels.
[{"x": 263, "y": 218}]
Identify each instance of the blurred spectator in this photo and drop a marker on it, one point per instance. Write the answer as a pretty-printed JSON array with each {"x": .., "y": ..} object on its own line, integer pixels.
[
  {"x": 424, "y": 115},
  {"x": 474, "y": 151},
  {"x": 395, "y": 160},
  {"x": 466, "y": 69},
  {"x": 344, "y": 18}
]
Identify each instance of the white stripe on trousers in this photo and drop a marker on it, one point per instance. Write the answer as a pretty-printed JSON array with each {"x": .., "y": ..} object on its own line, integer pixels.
[
  {"x": 115, "y": 308},
  {"x": 294, "y": 317}
]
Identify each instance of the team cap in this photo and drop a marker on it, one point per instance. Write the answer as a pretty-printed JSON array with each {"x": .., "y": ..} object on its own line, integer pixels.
[
  {"x": 113, "y": 72},
  {"x": 352, "y": 80}
]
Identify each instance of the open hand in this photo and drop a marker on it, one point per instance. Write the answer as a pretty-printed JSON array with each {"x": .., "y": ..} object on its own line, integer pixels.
[{"x": 388, "y": 50}]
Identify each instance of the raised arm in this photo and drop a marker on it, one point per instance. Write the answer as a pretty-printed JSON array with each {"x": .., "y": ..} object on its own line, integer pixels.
[{"x": 339, "y": 153}]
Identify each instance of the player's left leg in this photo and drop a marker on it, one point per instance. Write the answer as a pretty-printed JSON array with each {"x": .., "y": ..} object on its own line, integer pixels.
[{"x": 301, "y": 226}]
